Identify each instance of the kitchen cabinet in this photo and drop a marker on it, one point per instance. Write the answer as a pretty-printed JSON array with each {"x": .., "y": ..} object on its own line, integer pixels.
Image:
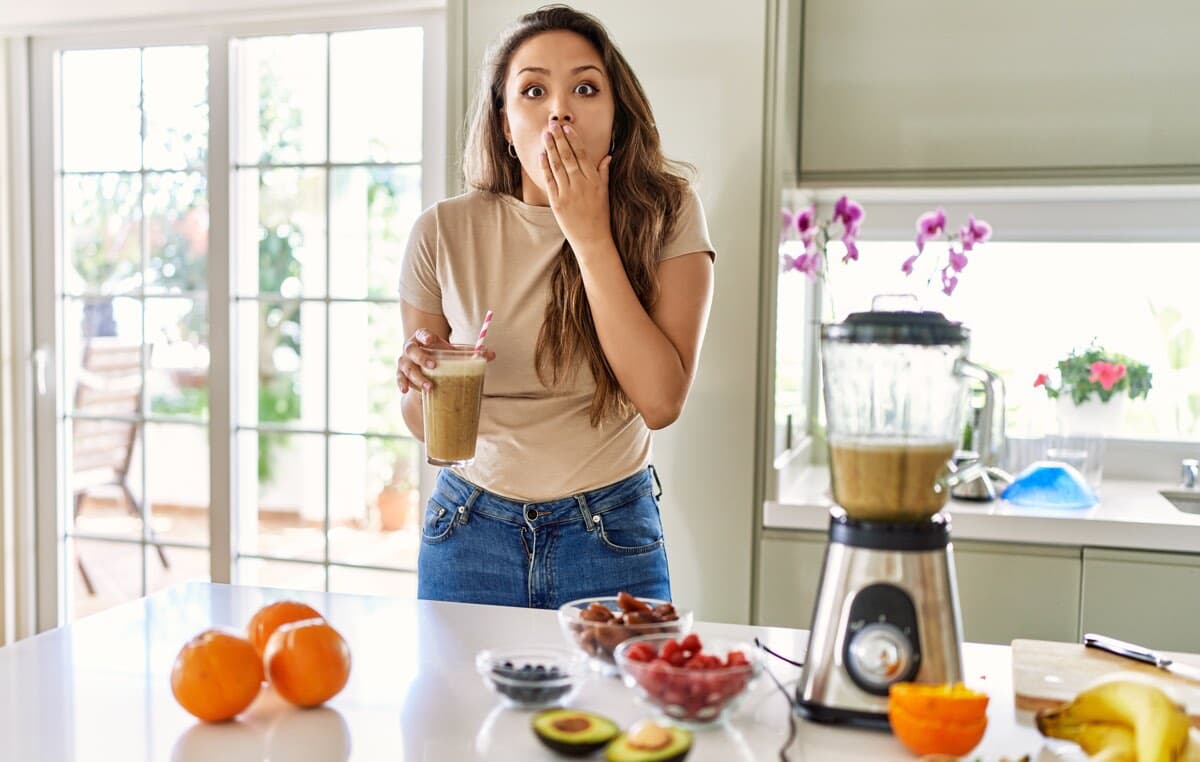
[
  {"x": 789, "y": 569},
  {"x": 1144, "y": 597},
  {"x": 1095, "y": 90},
  {"x": 1006, "y": 591},
  {"x": 1009, "y": 591}
]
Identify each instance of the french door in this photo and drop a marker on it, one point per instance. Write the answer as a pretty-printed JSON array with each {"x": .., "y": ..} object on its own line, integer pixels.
[{"x": 219, "y": 220}]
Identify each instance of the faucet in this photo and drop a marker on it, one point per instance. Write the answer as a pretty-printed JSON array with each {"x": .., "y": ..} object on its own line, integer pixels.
[
  {"x": 991, "y": 437},
  {"x": 1190, "y": 476}
]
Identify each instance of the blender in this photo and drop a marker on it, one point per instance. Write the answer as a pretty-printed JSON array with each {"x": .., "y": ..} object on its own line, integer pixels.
[{"x": 887, "y": 605}]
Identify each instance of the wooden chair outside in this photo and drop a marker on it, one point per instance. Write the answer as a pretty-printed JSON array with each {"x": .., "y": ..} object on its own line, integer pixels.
[{"x": 109, "y": 384}]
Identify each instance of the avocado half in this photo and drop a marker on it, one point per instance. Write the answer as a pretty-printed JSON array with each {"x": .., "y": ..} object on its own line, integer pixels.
[
  {"x": 573, "y": 732},
  {"x": 649, "y": 742}
]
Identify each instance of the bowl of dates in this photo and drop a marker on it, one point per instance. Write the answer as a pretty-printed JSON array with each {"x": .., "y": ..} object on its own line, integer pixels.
[
  {"x": 598, "y": 625},
  {"x": 531, "y": 677}
]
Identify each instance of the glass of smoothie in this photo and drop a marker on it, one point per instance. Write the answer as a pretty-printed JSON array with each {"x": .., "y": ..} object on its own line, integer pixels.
[{"x": 451, "y": 406}]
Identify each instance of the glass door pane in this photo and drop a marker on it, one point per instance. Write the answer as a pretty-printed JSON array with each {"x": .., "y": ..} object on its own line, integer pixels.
[
  {"x": 322, "y": 216},
  {"x": 134, "y": 229}
]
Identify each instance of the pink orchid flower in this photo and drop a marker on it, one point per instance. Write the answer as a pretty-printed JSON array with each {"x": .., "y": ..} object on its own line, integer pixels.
[
  {"x": 805, "y": 220},
  {"x": 812, "y": 266},
  {"x": 851, "y": 249},
  {"x": 786, "y": 223},
  {"x": 907, "y": 267},
  {"x": 975, "y": 231},
  {"x": 958, "y": 260},
  {"x": 850, "y": 214},
  {"x": 1041, "y": 380},
  {"x": 949, "y": 282},
  {"x": 806, "y": 225},
  {"x": 808, "y": 263},
  {"x": 929, "y": 225},
  {"x": 1106, "y": 374}
]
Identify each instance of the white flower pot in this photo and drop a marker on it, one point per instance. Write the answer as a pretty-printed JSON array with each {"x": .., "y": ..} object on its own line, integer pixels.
[{"x": 1092, "y": 418}]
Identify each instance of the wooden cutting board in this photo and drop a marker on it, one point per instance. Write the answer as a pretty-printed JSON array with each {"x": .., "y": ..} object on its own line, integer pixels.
[{"x": 1047, "y": 673}]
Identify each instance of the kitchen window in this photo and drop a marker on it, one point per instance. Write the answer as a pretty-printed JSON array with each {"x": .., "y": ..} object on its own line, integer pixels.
[
  {"x": 219, "y": 221},
  {"x": 1065, "y": 266}
]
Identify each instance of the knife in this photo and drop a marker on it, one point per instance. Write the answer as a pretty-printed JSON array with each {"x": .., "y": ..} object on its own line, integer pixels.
[{"x": 1142, "y": 654}]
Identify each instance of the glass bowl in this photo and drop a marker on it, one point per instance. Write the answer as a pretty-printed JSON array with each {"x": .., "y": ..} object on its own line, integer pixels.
[
  {"x": 599, "y": 639},
  {"x": 690, "y": 696},
  {"x": 532, "y": 677}
]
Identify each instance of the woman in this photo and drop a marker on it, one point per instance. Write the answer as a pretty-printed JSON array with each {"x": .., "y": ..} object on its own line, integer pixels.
[{"x": 594, "y": 255}]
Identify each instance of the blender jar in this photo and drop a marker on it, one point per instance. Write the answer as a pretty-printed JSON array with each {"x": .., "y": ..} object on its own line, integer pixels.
[{"x": 895, "y": 395}]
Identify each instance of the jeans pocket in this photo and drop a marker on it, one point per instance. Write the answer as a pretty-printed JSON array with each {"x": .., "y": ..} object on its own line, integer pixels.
[
  {"x": 632, "y": 529},
  {"x": 438, "y": 523}
]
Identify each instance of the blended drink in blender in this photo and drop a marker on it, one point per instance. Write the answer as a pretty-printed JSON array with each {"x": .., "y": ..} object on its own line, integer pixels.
[
  {"x": 451, "y": 407},
  {"x": 881, "y": 480}
]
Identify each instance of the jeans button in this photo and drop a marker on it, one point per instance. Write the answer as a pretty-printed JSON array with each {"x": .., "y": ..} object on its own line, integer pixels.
[{"x": 530, "y": 514}]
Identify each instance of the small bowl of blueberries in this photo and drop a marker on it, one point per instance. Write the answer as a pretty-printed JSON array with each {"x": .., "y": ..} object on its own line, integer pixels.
[{"x": 532, "y": 677}]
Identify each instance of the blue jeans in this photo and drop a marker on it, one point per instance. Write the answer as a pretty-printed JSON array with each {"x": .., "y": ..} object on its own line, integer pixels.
[{"x": 478, "y": 547}]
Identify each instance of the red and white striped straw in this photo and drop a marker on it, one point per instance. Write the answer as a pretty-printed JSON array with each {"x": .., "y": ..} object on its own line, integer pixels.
[{"x": 487, "y": 319}]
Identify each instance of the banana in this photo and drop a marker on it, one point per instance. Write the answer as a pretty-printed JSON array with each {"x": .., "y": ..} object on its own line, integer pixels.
[
  {"x": 1158, "y": 724},
  {"x": 1103, "y": 741}
]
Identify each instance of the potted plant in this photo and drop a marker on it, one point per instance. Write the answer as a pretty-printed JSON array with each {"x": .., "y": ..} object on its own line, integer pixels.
[
  {"x": 397, "y": 501},
  {"x": 1091, "y": 386}
]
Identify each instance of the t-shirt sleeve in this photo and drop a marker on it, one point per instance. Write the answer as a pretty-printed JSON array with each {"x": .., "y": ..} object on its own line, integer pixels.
[
  {"x": 418, "y": 274},
  {"x": 691, "y": 229}
]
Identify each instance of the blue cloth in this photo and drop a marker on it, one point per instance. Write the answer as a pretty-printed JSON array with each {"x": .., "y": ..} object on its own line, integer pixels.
[{"x": 479, "y": 547}]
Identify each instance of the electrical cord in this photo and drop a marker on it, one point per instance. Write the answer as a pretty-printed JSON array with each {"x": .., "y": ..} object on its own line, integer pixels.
[{"x": 783, "y": 756}]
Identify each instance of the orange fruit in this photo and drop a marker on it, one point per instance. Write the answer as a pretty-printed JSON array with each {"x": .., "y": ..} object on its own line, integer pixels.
[
  {"x": 216, "y": 675},
  {"x": 267, "y": 619},
  {"x": 308, "y": 662},
  {"x": 937, "y": 719}
]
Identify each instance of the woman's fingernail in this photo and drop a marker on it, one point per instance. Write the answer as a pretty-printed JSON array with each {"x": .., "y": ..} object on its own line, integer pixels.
[
  {"x": 428, "y": 385},
  {"x": 567, "y": 129},
  {"x": 430, "y": 364}
]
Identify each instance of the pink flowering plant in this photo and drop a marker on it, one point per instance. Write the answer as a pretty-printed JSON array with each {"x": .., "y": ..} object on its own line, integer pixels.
[
  {"x": 816, "y": 234},
  {"x": 931, "y": 226},
  {"x": 1094, "y": 370}
]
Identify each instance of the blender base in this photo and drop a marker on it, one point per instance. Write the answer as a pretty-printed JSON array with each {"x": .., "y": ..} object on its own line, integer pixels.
[{"x": 830, "y": 715}]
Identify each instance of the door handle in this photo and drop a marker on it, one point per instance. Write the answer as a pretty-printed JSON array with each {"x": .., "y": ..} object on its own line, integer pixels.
[{"x": 39, "y": 370}]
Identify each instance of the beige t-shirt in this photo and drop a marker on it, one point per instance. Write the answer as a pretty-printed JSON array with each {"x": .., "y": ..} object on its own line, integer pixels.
[{"x": 482, "y": 251}]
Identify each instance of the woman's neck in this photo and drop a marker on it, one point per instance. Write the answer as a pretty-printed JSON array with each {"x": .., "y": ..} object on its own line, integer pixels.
[{"x": 530, "y": 192}]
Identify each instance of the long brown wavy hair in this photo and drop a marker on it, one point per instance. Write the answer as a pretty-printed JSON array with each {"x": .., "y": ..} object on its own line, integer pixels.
[{"x": 645, "y": 189}]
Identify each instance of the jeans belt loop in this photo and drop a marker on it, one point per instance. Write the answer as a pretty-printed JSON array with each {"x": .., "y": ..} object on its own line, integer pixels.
[
  {"x": 657, "y": 483},
  {"x": 464, "y": 510},
  {"x": 589, "y": 521}
]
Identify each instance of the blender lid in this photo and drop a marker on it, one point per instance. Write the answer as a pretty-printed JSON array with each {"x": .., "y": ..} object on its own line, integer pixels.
[{"x": 897, "y": 327}]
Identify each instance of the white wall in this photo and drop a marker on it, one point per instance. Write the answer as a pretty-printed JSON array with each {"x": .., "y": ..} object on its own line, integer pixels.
[
  {"x": 6, "y": 438},
  {"x": 704, "y": 74}
]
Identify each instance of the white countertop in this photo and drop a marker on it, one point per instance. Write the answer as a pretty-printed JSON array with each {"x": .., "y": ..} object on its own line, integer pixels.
[
  {"x": 99, "y": 689},
  {"x": 1130, "y": 514}
]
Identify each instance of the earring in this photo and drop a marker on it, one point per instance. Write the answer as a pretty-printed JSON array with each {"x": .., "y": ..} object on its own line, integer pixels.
[{"x": 512, "y": 150}]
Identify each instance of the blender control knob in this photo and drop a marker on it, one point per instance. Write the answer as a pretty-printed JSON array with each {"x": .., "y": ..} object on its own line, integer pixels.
[{"x": 879, "y": 655}]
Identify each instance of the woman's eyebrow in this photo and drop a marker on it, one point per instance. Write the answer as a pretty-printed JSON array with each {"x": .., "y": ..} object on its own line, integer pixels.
[{"x": 576, "y": 70}]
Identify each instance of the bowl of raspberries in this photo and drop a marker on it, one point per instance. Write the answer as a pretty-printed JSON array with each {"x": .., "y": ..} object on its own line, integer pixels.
[{"x": 691, "y": 682}]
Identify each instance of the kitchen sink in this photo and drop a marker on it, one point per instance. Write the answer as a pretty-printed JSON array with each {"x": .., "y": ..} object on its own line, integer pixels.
[{"x": 1187, "y": 500}]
